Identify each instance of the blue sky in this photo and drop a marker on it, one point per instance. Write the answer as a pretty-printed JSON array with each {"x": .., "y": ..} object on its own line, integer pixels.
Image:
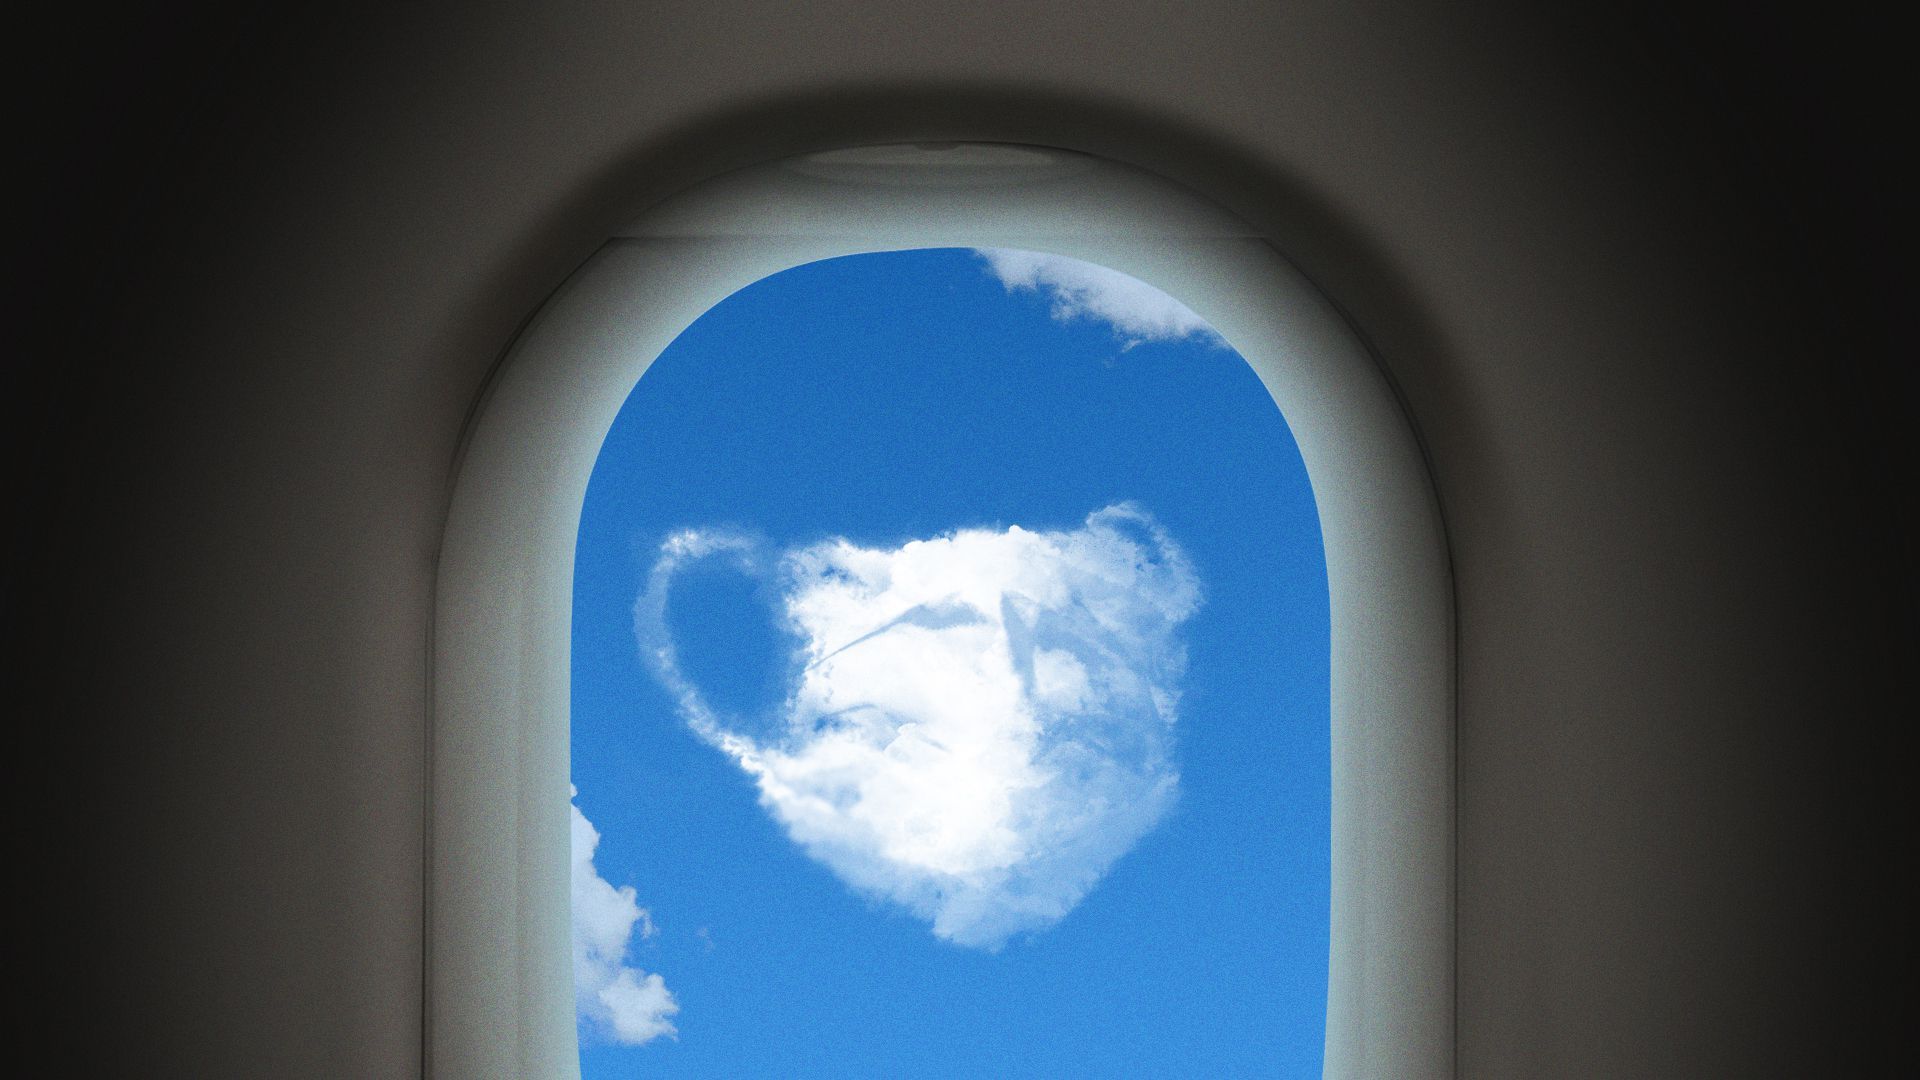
[{"x": 950, "y": 690}]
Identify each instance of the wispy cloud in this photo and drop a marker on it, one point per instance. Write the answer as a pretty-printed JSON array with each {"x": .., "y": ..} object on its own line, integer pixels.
[
  {"x": 983, "y": 721},
  {"x": 624, "y": 1003},
  {"x": 1082, "y": 290}
]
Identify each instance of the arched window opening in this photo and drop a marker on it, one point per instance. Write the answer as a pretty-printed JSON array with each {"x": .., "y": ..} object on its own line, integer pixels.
[{"x": 950, "y": 689}]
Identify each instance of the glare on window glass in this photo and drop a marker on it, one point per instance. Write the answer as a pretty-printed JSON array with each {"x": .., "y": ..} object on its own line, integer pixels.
[{"x": 950, "y": 690}]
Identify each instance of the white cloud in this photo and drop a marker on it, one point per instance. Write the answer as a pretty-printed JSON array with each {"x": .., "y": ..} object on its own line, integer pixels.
[
  {"x": 625, "y": 1003},
  {"x": 983, "y": 721},
  {"x": 1082, "y": 290}
]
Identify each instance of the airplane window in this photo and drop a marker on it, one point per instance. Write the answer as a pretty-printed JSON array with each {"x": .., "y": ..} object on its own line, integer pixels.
[
  {"x": 950, "y": 689},
  {"x": 950, "y": 649}
]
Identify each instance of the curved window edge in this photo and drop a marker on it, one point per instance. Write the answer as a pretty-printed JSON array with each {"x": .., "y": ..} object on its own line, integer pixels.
[{"x": 499, "y": 982}]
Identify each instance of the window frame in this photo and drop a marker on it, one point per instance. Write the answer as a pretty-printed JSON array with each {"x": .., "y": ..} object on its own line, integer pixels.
[{"x": 499, "y": 982}]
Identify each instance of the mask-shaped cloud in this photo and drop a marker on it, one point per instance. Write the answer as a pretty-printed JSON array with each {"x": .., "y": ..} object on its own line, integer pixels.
[
  {"x": 624, "y": 1003},
  {"x": 982, "y": 722},
  {"x": 1082, "y": 290}
]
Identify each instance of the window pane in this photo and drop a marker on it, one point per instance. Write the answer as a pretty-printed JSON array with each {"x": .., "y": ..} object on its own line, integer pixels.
[{"x": 950, "y": 689}]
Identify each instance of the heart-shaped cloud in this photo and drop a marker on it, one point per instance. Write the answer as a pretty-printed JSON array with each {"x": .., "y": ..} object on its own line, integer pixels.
[{"x": 982, "y": 722}]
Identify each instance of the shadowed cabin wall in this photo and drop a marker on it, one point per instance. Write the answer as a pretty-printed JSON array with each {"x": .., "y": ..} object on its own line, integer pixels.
[{"x": 1629, "y": 278}]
